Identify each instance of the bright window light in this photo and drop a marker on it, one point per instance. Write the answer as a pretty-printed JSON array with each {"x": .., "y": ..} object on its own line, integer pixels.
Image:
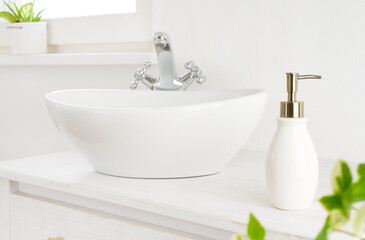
[{"x": 81, "y": 8}]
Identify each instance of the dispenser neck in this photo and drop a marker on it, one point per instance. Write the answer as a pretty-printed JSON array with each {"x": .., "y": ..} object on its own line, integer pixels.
[{"x": 292, "y": 109}]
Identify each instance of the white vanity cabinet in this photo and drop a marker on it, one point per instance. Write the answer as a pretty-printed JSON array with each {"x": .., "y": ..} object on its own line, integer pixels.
[
  {"x": 34, "y": 218},
  {"x": 60, "y": 195}
]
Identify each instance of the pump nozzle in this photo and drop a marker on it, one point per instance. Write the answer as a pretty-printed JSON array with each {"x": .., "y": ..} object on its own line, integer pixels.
[{"x": 292, "y": 108}]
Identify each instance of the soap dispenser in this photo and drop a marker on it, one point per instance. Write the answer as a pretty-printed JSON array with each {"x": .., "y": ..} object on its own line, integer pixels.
[{"x": 292, "y": 162}]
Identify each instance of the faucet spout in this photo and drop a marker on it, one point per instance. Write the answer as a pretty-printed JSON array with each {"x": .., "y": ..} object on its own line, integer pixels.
[{"x": 168, "y": 79}]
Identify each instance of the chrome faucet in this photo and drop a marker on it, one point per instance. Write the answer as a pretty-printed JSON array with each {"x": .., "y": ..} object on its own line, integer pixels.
[{"x": 168, "y": 79}]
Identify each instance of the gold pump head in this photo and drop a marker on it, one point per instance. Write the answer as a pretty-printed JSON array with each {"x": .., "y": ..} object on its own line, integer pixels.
[{"x": 292, "y": 108}]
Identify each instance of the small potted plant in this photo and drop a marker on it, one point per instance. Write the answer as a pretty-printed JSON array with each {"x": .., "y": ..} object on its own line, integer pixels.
[{"x": 27, "y": 34}]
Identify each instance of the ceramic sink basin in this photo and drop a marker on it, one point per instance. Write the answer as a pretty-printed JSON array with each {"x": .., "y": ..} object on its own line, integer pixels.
[{"x": 157, "y": 134}]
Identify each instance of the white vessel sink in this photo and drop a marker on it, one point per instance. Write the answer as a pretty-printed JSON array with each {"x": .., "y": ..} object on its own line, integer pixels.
[{"x": 156, "y": 134}]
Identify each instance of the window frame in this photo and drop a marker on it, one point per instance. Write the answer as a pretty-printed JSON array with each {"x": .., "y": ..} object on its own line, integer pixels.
[{"x": 97, "y": 30}]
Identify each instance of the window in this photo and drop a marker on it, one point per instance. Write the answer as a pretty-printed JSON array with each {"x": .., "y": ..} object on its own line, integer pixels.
[
  {"x": 80, "y": 8},
  {"x": 127, "y": 25}
]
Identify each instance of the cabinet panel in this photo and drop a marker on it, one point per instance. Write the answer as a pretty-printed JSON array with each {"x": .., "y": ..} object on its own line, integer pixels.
[
  {"x": 35, "y": 218},
  {"x": 4, "y": 209}
]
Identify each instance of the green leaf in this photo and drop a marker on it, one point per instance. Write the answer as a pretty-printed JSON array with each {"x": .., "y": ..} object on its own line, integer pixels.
[
  {"x": 237, "y": 237},
  {"x": 358, "y": 192},
  {"x": 358, "y": 188},
  {"x": 331, "y": 202},
  {"x": 8, "y": 16},
  {"x": 358, "y": 223},
  {"x": 255, "y": 230},
  {"x": 18, "y": 14},
  {"x": 341, "y": 177},
  {"x": 334, "y": 220},
  {"x": 342, "y": 186},
  {"x": 12, "y": 11},
  {"x": 340, "y": 202},
  {"x": 26, "y": 11},
  {"x": 31, "y": 15},
  {"x": 361, "y": 170},
  {"x": 38, "y": 17},
  {"x": 337, "y": 219},
  {"x": 325, "y": 231}
]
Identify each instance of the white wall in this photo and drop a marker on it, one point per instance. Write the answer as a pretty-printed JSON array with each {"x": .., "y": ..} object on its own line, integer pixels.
[
  {"x": 252, "y": 43},
  {"x": 239, "y": 44}
]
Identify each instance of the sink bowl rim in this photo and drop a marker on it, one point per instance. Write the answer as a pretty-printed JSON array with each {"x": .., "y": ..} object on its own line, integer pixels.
[{"x": 240, "y": 93}]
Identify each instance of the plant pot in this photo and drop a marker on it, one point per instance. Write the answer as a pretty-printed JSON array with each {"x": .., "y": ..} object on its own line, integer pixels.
[{"x": 28, "y": 38}]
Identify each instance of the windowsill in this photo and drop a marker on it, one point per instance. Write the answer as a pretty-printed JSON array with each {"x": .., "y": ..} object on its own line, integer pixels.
[{"x": 78, "y": 59}]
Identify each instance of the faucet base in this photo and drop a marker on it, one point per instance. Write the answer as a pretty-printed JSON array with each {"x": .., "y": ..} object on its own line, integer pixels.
[{"x": 168, "y": 80}]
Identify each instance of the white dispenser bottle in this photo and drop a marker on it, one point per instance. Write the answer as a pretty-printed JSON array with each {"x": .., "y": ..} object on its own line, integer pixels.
[{"x": 292, "y": 163}]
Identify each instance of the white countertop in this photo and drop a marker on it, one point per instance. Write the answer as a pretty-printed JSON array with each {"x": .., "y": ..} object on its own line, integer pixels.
[{"x": 223, "y": 200}]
